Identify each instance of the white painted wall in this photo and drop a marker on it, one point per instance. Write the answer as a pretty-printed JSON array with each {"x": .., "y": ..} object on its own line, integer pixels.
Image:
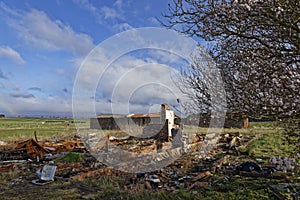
[{"x": 170, "y": 116}]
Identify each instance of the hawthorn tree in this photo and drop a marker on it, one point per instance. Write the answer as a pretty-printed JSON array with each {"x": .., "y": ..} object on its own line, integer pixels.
[{"x": 256, "y": 47}]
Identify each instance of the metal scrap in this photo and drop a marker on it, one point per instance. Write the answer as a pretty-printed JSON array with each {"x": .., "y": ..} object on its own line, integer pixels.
[{"x": 32, "y": 148}]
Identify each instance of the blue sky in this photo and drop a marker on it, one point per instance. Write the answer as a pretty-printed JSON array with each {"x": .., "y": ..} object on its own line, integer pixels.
[{"x": 44, "y": 43}]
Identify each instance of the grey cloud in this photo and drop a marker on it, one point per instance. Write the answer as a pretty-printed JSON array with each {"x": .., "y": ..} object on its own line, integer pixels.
[
  {"x": 35, "y": 89},
  {"x": 22, "y": 95}
]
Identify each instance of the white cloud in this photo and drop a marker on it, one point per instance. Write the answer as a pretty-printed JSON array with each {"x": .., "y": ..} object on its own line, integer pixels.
[
  {"x": 122, "y": 27},
  {"x": 36, "y": 28},
  {"x": 8, "y": 52},
  {"x": 111, "y": 17},
  {"x": 87, "y": 5},
  {"x": 18, "y": 106},
  {"x": 128, "y": 85},
  {"x": 136, "y": 80},
  {"x": 118, "y": 4},
  {"x": 110, "y": 13},
  {"x": 104, "y": 12}
]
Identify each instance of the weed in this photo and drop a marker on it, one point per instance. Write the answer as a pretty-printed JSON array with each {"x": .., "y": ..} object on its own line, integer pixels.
[{"x": 70, "y": 157}]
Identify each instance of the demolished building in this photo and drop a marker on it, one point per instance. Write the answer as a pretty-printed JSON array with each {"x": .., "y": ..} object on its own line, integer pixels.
[{"x": 118, "y": 121}]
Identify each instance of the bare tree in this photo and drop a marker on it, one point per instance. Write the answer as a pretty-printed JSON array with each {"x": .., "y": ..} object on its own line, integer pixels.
[{"x": 256, "y": 46}]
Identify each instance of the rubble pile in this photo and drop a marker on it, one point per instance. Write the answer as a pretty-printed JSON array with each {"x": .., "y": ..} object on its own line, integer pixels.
[
  {"x": 70, "y": 160},
  {"x": 31, "y": 149}
]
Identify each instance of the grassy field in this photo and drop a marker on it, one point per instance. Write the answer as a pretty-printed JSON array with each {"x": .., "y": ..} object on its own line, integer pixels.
[{"x": 20, "y": 128}]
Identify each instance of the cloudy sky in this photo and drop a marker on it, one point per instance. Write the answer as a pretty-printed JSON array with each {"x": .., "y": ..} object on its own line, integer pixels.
[{"x": 55, "y": 53}]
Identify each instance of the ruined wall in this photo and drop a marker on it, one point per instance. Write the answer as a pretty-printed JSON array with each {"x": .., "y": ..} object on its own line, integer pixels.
[
  {"x": 144, "y": 121},
  {"x": 104, "y": 123},
  {"x": 111, "y": 123},
  {"x": 167, "y": 114},
  {"x": 157, "y": 131}
]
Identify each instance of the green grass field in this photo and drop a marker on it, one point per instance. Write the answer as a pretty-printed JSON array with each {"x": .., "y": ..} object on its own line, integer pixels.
[{"x": 20, "y": 128}]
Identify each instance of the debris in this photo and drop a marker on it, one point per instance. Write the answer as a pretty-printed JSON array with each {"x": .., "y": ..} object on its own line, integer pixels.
[
  {"x": 63, "y": 146},
  {"x": 111, "y": 138},
  {"x": 2, "y": 143},
  {"x": 198, "y": 185},
  {"x": 201, "y": 176},
  {"x": 234, "y": 141},
  {"x": 17, "y": 181},
  {"x": 148, "y": 185},
  {"x": 40, "y": 182},
  {"x": 13, "y": 161},
  {"x": 276, "y": 193},
  {"x": 7, "y": 168},
  {"x": 47, "y": 172},
  {"x": 45, "y": 175},
  {"x": 219, "y": 163},
  {"x": 198, "y": 138},
  {"x": 192, "y": 171},
  {"x": 35, "y": 136},
  {"x": 249, "y": 167},
  {"x": 32, "y": 148},
  {"x": 103, "y": 171},
  {"x": 153, "y": 180}
]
